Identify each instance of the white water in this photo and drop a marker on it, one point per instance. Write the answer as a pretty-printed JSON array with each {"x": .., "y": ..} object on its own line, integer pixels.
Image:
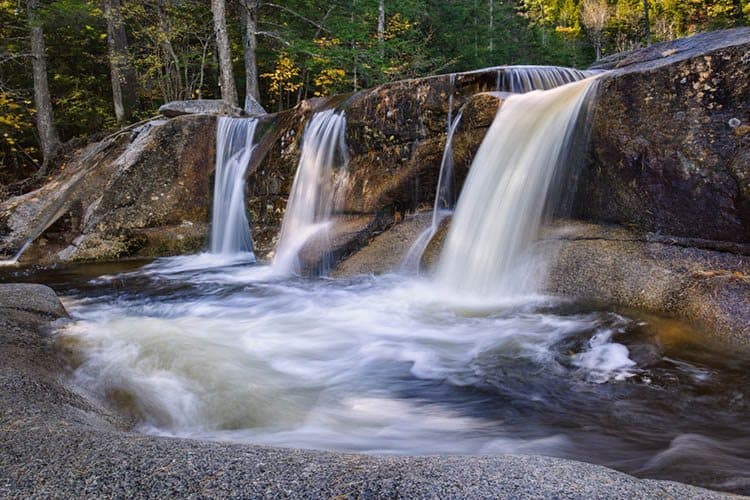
[
  {"x": 516, "y": 79},
  {"x": 230, "y": 229},
  {"x": 521, "y": 79},
  {"x": 324, "y": 364},
  {"x": 503, "y": 199},
  {"x": 317, "y": 189}
]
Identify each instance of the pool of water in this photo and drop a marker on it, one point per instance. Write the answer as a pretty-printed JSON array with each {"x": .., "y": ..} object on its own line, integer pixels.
[{"x": 204, "y": 348}]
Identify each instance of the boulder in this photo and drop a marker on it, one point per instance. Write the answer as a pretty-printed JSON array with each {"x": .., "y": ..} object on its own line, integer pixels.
[
  {"x": 701, "y": 281},
  {"x": 142, "y": 193},
  {"x": 253, "y": 107},
  {"x": 388, "y": 175},
  {"x": 670, "y": 144},
  {"x": 649, "y": 272},
  {"x": 203, "y": 107}
]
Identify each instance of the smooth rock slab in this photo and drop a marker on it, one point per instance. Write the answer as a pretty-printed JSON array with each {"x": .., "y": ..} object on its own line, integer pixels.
[{"x": 198, "y": 107}]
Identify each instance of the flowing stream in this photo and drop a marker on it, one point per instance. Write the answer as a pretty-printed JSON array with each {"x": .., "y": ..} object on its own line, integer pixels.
[
  {"x": 472, "y": 361},
  {"x": 392, "y": 365}
]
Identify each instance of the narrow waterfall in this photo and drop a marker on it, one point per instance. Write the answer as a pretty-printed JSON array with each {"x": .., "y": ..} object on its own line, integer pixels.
[
  {"x": 521, "y": 79},
  {"x": 230, "y": 229},
  {"x": 506, "y": 192},
  {"x": 316, "y": 191},
  {"x": 444, "y": 200}
]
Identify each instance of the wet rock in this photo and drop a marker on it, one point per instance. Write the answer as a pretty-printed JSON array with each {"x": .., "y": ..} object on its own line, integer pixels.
[
  {"x": 204, "y": 106},
  {"x": 346, "y": 235},
  {"x": 388, "y": 175},
  {"x": 646, "y": 272},
  {"x": 385, "y": 251}
]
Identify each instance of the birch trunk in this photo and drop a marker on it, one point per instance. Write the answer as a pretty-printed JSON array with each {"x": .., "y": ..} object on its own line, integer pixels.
[{"x": 226, "y": 77}]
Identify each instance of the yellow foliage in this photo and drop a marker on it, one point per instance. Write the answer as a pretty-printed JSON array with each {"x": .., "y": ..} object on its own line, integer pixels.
[
  {"x": 568, "y": 31},
  {"x": 397, "y": 25},
  {"x": 284, "y": 77},
  {"x": 327, "y": 79},
  {"x": 327, "y": 43}
]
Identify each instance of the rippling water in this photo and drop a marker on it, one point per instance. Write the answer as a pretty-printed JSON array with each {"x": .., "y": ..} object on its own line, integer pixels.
[{"x": 201, "y": 347}]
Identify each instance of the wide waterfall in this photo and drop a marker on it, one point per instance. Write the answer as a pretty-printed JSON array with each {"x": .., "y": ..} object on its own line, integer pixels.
[
  {"x": 503, "y": 200},
  {"x": 317, "y": 188},
  {"x": 521, "y": 79},
  {"x": 230, "y": 230},
  {"x": 514, "y": 79}
]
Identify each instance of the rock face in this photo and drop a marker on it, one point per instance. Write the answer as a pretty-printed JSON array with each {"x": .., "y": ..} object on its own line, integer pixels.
[
  {"x": 670, "y": 147},
  {"x": 669, "y": 158},
  {"x": 59, "y": 443},
  {"x": 396, "y": 134}
]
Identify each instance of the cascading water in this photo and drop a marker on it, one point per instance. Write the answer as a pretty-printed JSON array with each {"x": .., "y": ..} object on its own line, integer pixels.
[
  {"x": 444, "y": 200},
  {"x": 501, "y": 206},
  {"x": 387, "y": 364},
  {"x": 515, "y": 79},
  {"x": 317, "y": 188},
  {"x": 521, "y": 79},
  {"x": 230, "y": 229}
]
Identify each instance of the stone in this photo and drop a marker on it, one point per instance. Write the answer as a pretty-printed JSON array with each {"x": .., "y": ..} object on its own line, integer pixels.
[
  {"x": 204, "y": 106},
  {"x": 664, "y": 155},
  {"x": 111, "y": 200}
]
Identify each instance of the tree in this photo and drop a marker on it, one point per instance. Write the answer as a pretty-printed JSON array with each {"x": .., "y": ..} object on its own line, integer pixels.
[
  {"x": 226, "y": 80},
  {"x": 594, "y": 15},
  {"x": 381, "y": 27},
  {"x": 124, "y": 94},
  {"x": 250, "y": 42},
  {"x": 45, "y": 122}
]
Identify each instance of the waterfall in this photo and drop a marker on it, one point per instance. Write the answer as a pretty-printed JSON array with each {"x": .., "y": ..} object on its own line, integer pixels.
[
  {"x": 444, "y": 199},
  {"x": 316, "y": 191},
  {"x": 521, "y": 79},
  {"x": 515, "y": 79},
  {"x": 230, "y": 229},
  {"x": 506, "y": 192}
]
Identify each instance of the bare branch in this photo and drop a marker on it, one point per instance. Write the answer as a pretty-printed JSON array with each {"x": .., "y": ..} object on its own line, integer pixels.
[{"x": 299, "y": 16}]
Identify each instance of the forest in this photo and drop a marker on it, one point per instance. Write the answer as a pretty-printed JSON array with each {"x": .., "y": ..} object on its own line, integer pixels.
[{"x": 82, "y": 68}]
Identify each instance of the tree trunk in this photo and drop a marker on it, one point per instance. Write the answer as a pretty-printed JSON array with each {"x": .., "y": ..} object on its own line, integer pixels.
[
  {"x": 250, "y": 14},
  {"x": 124, "y": 94},
  {"x": 45, "y": 123},
  {"x": 648, "y": 22},
  {"x": 226, "y": 79},
  {"x": 491, "y": 27},
  {"x": 172, "y": 63},
  {"x": 381, "y": 27}
]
